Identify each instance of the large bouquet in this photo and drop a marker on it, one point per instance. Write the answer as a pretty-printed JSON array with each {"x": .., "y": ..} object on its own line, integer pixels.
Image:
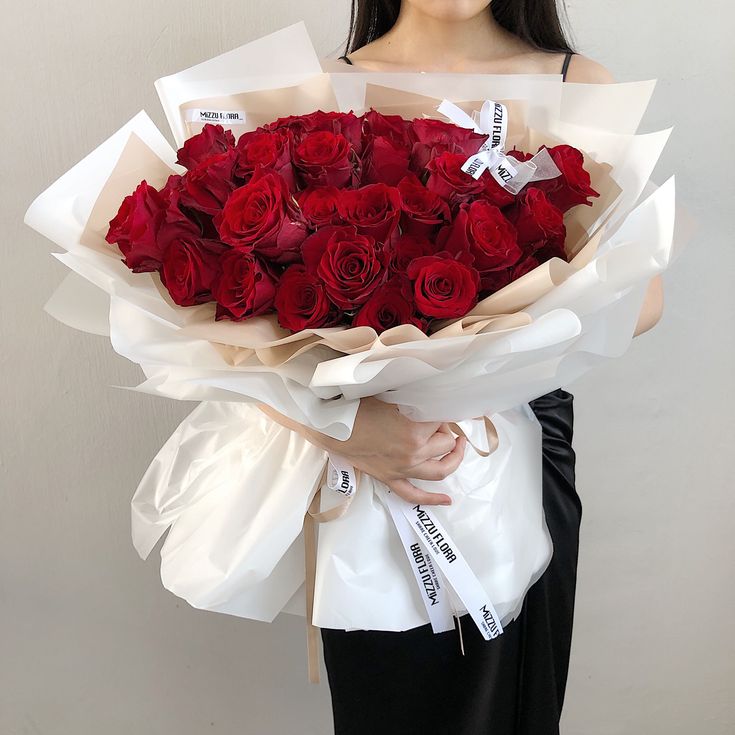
[{"x": 324, "y": 236}]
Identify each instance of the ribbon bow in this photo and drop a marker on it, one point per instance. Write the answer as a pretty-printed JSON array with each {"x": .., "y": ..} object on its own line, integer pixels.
[{"x": 509, "y": 172}]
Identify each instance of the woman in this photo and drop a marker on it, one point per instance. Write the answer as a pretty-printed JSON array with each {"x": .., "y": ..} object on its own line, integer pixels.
[{"x": 417, "y": 682}]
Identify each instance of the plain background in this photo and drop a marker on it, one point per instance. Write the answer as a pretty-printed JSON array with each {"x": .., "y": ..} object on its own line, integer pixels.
[{"x": 91, "y": 642}]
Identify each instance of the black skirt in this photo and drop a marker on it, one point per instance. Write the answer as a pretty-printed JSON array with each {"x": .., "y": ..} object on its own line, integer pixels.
[{"x": 419, "y": 682}]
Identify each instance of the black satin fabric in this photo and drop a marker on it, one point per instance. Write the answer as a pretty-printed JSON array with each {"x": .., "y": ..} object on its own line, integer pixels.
[{"x": 416, "y": 682}]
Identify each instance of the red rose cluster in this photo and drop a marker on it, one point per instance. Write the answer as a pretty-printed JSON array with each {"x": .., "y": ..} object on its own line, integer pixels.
[{"x": 332, "y": 219}]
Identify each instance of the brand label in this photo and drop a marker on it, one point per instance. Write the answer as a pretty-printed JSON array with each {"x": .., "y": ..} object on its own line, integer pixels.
[
  {"x": 217, "y": 117},
  {"x": 341, "y": 476},
  {"x": 499, "y": 129}
]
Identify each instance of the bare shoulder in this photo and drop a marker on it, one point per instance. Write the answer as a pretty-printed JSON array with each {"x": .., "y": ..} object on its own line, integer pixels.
[{"x": 585, "y": 70}]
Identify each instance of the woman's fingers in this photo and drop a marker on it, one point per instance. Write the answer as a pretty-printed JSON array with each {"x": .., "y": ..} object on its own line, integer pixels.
[
  {"x": 439, "y": 469},
  {"x": 437, "y": 445},
  {"x": 432, "y": 469},
  {"x": 414, "y": 495}
]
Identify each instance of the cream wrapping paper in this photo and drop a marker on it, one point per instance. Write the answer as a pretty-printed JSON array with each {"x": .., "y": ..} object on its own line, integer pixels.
[{"x": 230, "y": 486}]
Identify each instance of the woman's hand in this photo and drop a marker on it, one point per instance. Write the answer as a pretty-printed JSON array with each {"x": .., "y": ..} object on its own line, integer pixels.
[{"x": 392, "y": 449}]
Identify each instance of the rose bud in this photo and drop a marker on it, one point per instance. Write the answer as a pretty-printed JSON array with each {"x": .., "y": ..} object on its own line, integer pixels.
[
  {"x": 393, "y": 127},
  {"x": 390, "y": 305},
  {"x": 135, "y": 229},
  {"x": 268, "y": 150},
  {"x": 444, "y": 288},
  {"x": 212, "y": 140},
  {"x": 447, "y": 179},
  {"x": 493, "y": 281},
  {"x": 178, "y": 223},
  {"x": 261, "y": 217},
  {"x": 244, "y": 288},
  {"x": 318, "y": 205},
  {"x": 302, "y": 301},
  {"x": 423, "y": 211},
  {"x": 434, "y": 137},
  {"x": 384, "y": 161},
  {"x": 482, "y": 230},
  {"x": 373, "y": 209},
  {"x": 208, "y": 185},
  {"x": 406, "y": 248},
  {"x": 190, "y": 267},
  {"x": 537, "y": 221},
  {"x": 349, "y": 264},
  {"x": 324, "y": 159},
  {"x": 495, "y": 193},
  {"x": 573, "y": 186}
]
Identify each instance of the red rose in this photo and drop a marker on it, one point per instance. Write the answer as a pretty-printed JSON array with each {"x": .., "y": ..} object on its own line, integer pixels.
[
  {"x": 212, "y": 140},
  {"x": 495, "y": 193},
  {"x": 423, "y": 210},
  {"x": 373, "y": 209},
  {"x": 135, "y": 229},
  {"x": 349, "y": 264},
  {"x": 384, "y": 161},
  {"x": 443, "y": 287},
  {"x": 266, "y": 149},
  {"x": 389, "y": 305},
  {"x": 520, "y": 155},
  {"x": 406, "y": 248},
  {"x": 244, "y": 288},
  {"x": 302, "y": 301},
  {"x": 343, "y": 123},
  {"x": 493, "y": 281},
  {"x": 189, "y": 269},
  {"x": 483, "y": 230},
  {"x": 180, "y": 224},
  {"x": 573, "y": 186},
  {"x": 324, "y": 159},
  {"x": 393, "y": 127},
  {"x": 523, "y": 266},
  {"x": 548, "y": 251},
  {"x": 537, "y": 220},
  {"x": 260, "y": 217},
  {"x": 318, "y": 205},
  {"x": 208, "y": 185},
  {"x": 447, "y": 179},
  {"x": 434, "y": 137}
]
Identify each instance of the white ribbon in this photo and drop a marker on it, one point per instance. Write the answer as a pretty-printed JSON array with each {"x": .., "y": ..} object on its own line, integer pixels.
[
  {"x": 510, "y": 173},
  {"x": 454, "y": 568},
  {"x": 431, "y": 585}
]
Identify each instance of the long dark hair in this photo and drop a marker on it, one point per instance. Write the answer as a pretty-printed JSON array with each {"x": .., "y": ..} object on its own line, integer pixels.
[{"x": 537, "y": 22}]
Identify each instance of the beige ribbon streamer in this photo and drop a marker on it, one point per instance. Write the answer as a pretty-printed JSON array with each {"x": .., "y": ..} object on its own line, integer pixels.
[
  {"x": 490, "y": 431},
  {"x": 313, "y": 517}
]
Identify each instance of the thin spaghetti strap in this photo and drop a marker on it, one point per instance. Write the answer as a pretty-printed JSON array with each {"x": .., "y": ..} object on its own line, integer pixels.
[
  {"x": 346, "y": 58},
  {"x": 565, "y": 65}
]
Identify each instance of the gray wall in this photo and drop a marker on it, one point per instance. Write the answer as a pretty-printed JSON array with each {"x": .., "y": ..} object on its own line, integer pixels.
[{"x": 91, "y": 642}]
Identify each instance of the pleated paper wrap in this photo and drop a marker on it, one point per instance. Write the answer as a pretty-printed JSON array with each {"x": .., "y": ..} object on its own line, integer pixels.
[{"x": 231, "y": 486}]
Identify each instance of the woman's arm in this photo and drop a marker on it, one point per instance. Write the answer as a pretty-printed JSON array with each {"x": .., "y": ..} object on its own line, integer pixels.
[
  {"x": 653, "y": 306},
  {"x": 582, "y": 69}
]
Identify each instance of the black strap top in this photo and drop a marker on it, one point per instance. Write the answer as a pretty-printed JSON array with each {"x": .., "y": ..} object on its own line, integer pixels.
[{"x": 564, "y": 67}]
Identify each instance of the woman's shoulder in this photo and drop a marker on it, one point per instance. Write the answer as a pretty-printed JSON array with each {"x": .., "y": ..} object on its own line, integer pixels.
[{"x": 587, "y": 71}]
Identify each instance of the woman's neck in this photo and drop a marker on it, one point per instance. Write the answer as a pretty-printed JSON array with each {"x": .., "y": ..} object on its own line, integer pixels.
[{"x": 420, "y": 41}]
